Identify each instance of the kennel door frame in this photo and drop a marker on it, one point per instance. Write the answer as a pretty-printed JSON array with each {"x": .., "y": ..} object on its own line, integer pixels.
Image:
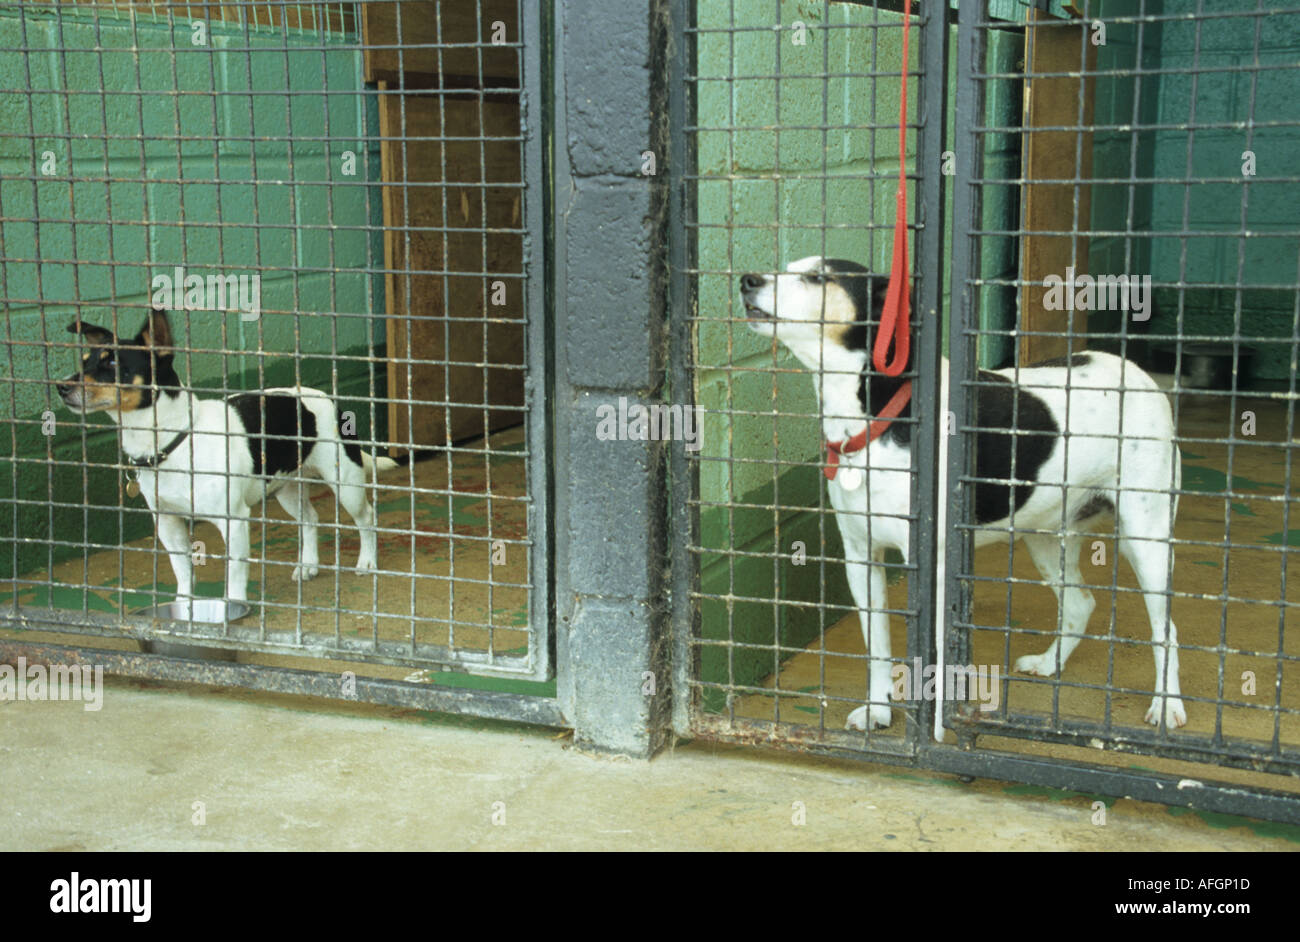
[
  {"x": 927, "y": 227},
  {"x": 966, "y": 758},
  {"x": 536, "y": 708},
  {"x": 964, "y": 333}
]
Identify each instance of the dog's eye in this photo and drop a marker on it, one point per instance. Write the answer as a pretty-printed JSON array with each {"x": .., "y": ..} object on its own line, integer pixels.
[{"x": 816, "y": 278}]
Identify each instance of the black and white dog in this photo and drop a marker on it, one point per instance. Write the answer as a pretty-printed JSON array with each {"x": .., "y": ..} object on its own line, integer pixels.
[
  {"x": 1090, "y": 450},
  {"x": 211, "y": 459}
]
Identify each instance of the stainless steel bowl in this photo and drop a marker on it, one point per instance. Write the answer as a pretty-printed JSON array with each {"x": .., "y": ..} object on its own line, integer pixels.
[
  {"x": 202, "y": 612},
  {"x": 1209, "y": 365}
]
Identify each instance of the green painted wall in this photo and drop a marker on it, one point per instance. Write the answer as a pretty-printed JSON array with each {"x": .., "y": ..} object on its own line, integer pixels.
[
  {"x": 775, "y": 187},
  {"x": 224, "y": 158},
  {"x": 1225, "y": 258},
  {"x": 1121, "y": 155},
  {"x": 1218, "y": 258}
]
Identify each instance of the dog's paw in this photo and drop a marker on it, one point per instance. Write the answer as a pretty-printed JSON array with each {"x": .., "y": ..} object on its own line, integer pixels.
[
  {"x": 1040, "y": 664},
  {"x": 1175, "y": 714},
  {"x": 303, "y": 573},
  {"x": 876, "y": 716},
  {"x": 364, "y": 565}
]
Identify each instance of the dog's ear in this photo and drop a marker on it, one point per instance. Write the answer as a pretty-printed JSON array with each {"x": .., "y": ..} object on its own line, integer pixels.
[
  {"x": 96, "y": 335},
  {"x": 879, "y": 289},
  {"x": 156, "y": 332}
]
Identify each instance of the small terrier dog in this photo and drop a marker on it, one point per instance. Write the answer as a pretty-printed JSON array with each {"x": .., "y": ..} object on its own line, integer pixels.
[
  {"x": 1093, "y": 435},
  {"x": 215, "y": 460}
]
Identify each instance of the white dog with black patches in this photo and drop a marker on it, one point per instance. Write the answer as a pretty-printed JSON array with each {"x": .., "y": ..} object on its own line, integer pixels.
[
  {"x": 217, "y": 459},
  {"x": 1082, "y": 449}
]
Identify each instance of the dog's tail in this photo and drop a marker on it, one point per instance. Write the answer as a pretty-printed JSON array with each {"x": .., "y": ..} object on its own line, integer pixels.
[{"x": 373, "y": 466}]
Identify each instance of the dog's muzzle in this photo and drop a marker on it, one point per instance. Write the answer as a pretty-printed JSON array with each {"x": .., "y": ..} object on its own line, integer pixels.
[
  {"x": 73, "y": 394},
  {"x": 750, "y": 286},
  {"x": 70, "y": 393}
]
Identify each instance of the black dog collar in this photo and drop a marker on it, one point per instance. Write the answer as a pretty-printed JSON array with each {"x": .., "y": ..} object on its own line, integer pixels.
[{"x": 154, "y": 460}]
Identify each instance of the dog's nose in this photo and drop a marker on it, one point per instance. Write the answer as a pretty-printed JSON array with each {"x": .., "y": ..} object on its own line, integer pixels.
[
  {"x": 63, "y": 388},
  {"x": 751, "y": 282}
]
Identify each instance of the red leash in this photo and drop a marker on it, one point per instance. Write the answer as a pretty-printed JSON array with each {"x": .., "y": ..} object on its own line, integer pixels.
[
  {"x": 896, "y": 313},
  {"x": 897, "y": 310}
]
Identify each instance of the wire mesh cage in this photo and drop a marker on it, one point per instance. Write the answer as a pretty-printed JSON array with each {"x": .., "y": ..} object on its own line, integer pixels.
[
  {"x": 244, "y": 201},
  {"x": 793, "y": 121},
  {"x": 1089, "y": 188},
  {"x": 1124, "y": 201},
  {"x": 320, "y": 214}
]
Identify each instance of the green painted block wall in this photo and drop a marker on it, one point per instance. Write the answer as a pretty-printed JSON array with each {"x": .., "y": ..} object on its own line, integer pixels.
[
  {"x": 225, "y": 159},
  {"x": 775, "y": 187},
  {"x": 1121, "y": 155},
  {"x": 1216, "y": 84},
  {"x": 1269, "y": 256}
]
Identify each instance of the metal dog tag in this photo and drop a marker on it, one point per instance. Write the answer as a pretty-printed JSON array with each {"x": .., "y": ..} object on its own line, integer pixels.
[
  {"x": 132, "y": 488},
  {"x": 850, "y": 478}
]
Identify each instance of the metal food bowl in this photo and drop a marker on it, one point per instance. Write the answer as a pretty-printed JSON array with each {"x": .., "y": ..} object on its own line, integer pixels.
[{"x": 202, "y": 612}]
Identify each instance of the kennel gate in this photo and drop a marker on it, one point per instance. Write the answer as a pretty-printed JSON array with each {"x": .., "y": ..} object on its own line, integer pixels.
[
  {"x": 383, "y": 163},
  {"x": 768, "y": 153}
]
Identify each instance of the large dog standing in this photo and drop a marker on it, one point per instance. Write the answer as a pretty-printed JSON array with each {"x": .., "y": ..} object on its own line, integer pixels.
[{"x": 1094, "y": 436}]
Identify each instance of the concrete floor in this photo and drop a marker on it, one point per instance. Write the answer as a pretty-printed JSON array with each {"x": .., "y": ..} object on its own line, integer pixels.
[{"x": 283, "y": 773}]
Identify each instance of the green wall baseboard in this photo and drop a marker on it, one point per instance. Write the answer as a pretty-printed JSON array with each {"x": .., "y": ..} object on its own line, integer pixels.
[{"x": 793, "y": 603}]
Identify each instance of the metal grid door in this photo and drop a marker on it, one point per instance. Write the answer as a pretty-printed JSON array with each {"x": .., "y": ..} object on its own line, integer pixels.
[
  {"x": 1058, "y": 157},
  {"x": 345, "y": 197},
  {"x": 789, "y": 144},
  {"x": 1131, "y": 192}
]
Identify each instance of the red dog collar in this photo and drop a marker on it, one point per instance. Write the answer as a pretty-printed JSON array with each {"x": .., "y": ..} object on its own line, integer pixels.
[{"x": 892, "y": 408}]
